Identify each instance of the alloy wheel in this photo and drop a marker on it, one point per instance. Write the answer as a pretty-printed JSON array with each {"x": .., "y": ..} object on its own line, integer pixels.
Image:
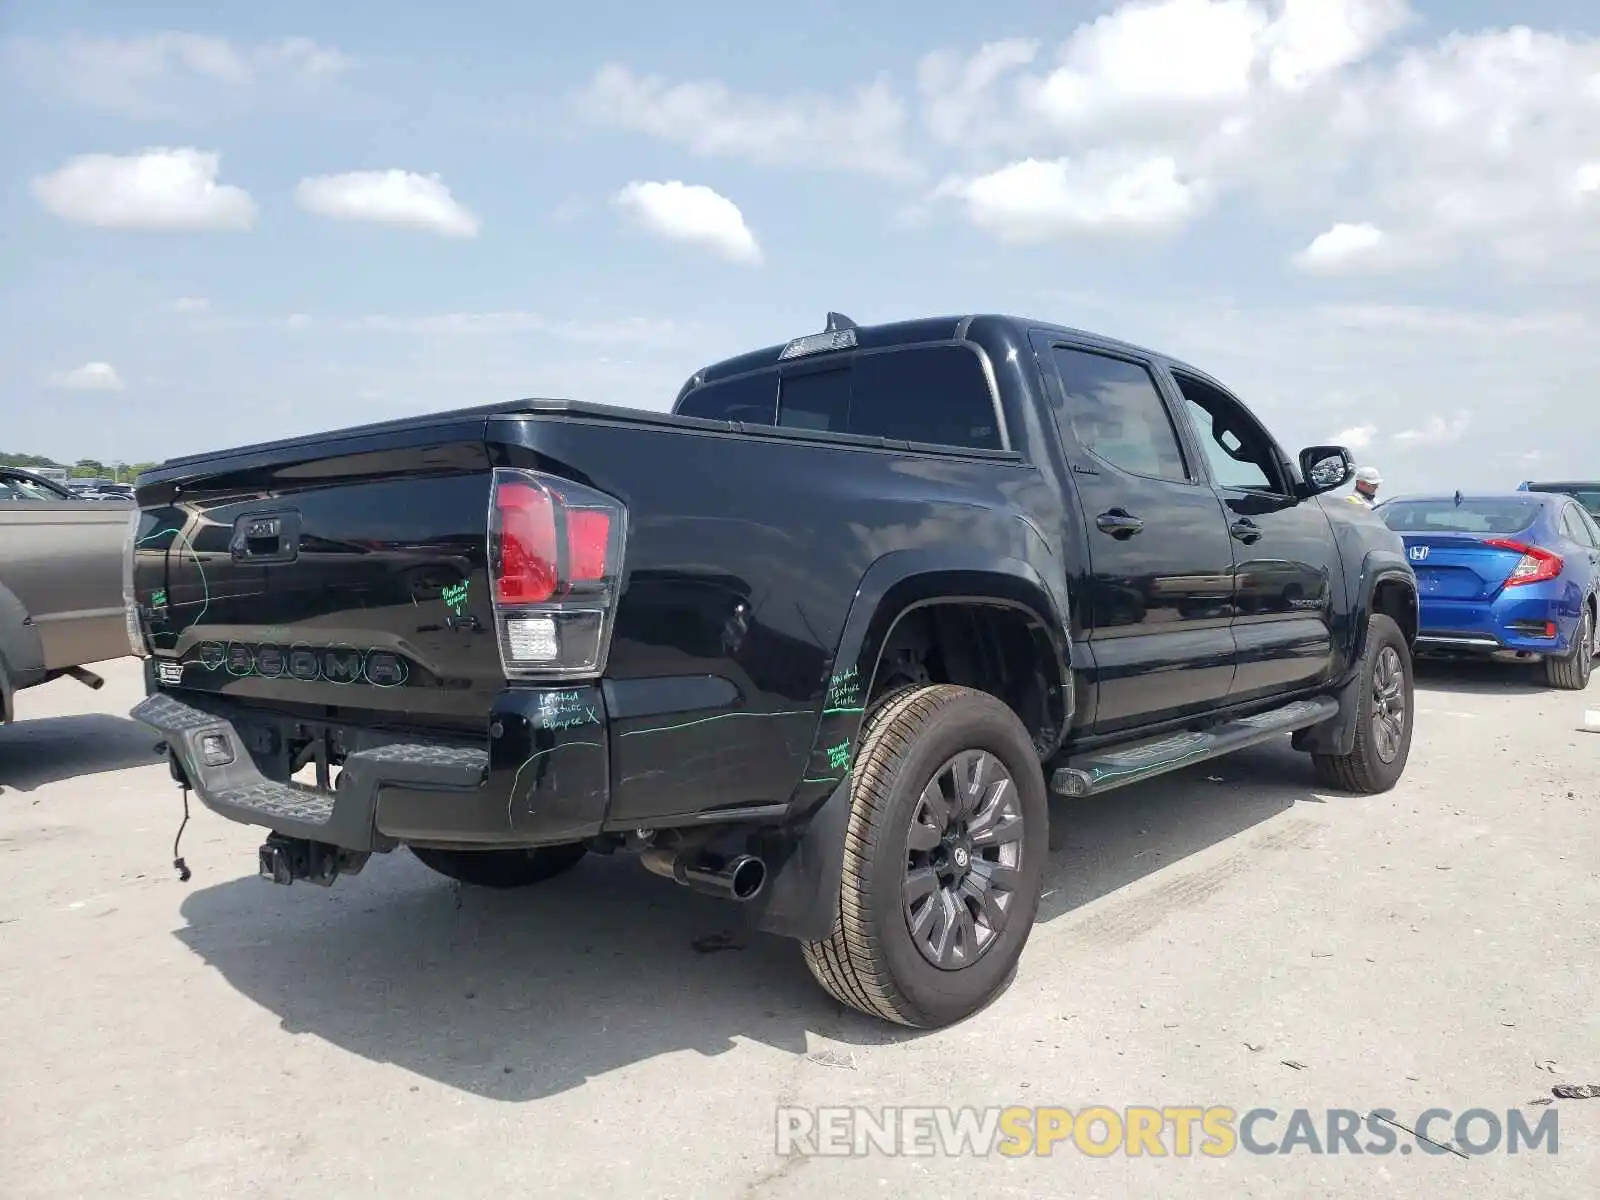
[
  {"x": 1388, "y": 704},
  {"x": 964, "y": 854}
]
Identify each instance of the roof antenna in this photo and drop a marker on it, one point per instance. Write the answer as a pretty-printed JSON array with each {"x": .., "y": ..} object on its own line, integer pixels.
[{"x": 838, "y": 321}]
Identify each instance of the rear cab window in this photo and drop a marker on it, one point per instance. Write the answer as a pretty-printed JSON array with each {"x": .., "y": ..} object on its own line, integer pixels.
[
  {"x": 1493, "y": 517},
  {"x": 935, "y": 394}
]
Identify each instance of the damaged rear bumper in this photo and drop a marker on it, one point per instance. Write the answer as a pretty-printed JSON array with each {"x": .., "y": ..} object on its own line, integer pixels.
[{"x": 527, "y": 785}]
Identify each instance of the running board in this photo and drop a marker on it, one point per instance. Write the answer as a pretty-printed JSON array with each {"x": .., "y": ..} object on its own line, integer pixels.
[{"x": 1095, "y": 773}]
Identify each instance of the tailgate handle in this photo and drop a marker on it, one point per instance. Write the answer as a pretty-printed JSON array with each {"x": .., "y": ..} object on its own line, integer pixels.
[{"x": 266, "y": 537}]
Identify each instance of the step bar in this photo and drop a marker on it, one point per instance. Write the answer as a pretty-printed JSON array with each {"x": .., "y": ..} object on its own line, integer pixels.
[{"x": 1091, "y": 774}]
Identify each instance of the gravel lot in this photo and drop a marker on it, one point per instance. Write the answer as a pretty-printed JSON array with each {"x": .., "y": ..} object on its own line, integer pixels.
[{"x": 1434, "y": 947}]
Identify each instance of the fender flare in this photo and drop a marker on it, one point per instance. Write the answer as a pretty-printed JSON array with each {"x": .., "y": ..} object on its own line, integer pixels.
[
  {"x": 805, "y": 858},
  {"x": 21, "y": 652},
  {"x": 1337, "y": 735}
]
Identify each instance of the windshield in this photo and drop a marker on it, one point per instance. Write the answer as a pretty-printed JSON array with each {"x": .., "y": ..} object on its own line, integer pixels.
[
  {"x": 1470, "y": 516},
  {"x": 15, "y": 487}
]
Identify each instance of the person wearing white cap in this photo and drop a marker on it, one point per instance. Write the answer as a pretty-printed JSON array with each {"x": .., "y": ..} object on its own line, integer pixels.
[{"x": 1368, "y": 481}]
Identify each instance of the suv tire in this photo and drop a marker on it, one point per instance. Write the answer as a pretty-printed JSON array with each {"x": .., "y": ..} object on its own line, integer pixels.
[
  {"x": 501, "y": 869},
  {"x": 948, "y": 832},
  {"x": 1385, "y": 706}
]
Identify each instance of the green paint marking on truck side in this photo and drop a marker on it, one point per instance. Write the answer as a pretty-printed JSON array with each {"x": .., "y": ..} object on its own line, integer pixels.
[
  {"x": 455, "y": 596},
  {"x": 516, "y": 779},
  {"x": 205, "y": 588},
  {"x": 718, "y": 717},
  {"x": 844, "y": 690}
]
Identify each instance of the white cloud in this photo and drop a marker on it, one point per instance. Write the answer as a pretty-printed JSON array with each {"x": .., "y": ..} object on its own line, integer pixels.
[
  {"x": 1034, "y": 200},
  {"x": 1344, "y": 245},
  {"x": 191, "y": 304},
  {"x": 1470, "y": 146},
  {"x": 401, "y": 198},
  {"x": 957, "y": 92},
  {"x": 1311, "y": 39},
  {"x": 862, "y": 132},
  {"x": 1436, "y": 431},
  {"x": 157, "y": 190},
  {"x": 173, "y": 74},
  {"x": 91, "y": 377},
  {"x": 1357, "y": 437},
  {"x": 691, "y": 213},
  {"x": 1161, "y": 55}
]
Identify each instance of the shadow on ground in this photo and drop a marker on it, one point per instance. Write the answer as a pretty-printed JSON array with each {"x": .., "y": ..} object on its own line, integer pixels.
[
  {"x": 514, "y": 996},
  {"x": 1465, "y": 678},
  {"x": 44, "y": 750}
]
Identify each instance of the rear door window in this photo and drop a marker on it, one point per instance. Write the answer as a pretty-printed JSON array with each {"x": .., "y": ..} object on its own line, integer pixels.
[
  {"x": 749, "y": 398},
  {"x": 1572, "y": 525},
  {"x": 934, "y": 394},
  {"x": 937, "y": 394},
  {"x": 1117, "y": 414}
]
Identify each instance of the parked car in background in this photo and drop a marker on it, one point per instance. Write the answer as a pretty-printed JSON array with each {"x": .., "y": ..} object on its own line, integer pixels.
[
  {"x": 64, "y": 562},
  {"x": 1585, "y": 492},
  {"x": 1512, "y": 577}
]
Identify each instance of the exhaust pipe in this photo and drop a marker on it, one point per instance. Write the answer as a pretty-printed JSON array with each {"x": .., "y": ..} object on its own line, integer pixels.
[
  {"x": 88, "y": 678},
  {"x": 738, "y": 878}
]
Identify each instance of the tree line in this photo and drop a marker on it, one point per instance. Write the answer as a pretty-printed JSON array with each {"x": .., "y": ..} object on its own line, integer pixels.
[{"x": 83, "y": 468}]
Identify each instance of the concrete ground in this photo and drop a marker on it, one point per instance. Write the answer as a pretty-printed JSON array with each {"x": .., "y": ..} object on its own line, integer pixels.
[{"x": 1227, "y": 936}]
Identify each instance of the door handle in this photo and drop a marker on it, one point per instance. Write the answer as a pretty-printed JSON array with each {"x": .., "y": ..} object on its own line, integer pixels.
[
  {"x": 1119, "y": 523},
  {"x": 1246, "y": 530}
]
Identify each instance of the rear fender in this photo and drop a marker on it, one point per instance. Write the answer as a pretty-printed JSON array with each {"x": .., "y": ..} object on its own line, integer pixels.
[{"x": 805, "y": 858}]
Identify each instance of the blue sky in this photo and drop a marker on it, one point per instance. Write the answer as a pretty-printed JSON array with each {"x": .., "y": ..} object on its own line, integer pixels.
[{"x": 228, "y": 222}]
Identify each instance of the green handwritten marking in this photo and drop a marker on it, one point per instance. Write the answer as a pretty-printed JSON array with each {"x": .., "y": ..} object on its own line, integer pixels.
[
  {"x": 565, "y": 710},
  {"x": 839, "y": 756},
  {"x": 158, "y": 599},
  {"x": 832, "y": 712},
  {"x": 511, "y": 800},
  {"x": 844, "y": 689},
  {"x": 828, "y": 779},
  {"x": 718, "y": 717},
  {"x": 205, "y": 587},
  {"x": 455, "y": 596}
]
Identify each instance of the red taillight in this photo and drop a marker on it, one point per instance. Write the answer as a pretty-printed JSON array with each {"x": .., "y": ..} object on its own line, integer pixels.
[
  {"x": 555, "y": 553},
  {"x": 1535, "y": 565},
  {"x": 527, "y": 572},
  {"x": 588, "y": 535}
]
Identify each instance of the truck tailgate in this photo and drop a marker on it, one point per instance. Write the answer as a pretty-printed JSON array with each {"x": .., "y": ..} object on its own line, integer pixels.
[{"x": 345, "y": 574}]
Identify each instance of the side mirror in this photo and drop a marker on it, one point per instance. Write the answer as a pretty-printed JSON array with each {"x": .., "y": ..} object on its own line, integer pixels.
[{"x": 1324, "y": 468}]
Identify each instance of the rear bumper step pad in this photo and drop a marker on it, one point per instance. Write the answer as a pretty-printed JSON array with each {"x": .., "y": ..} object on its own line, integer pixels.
[{"x": 348, "y": 816}]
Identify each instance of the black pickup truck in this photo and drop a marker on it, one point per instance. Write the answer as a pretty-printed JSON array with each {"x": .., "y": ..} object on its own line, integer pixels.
[{"x": 820, "y": 640}]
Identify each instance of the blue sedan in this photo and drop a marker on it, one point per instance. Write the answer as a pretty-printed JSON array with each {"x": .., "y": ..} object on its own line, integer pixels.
[{"x": 1511, "y": 577}]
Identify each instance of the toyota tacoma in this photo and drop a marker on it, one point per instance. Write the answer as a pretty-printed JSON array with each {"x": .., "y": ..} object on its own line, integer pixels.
[{"x": 820, "y": 640}]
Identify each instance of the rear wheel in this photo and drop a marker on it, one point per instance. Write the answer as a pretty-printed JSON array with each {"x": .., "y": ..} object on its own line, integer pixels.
[
  {"x": 1572, "y": 672},
  {"x": 502, "y": 868},
  {"x": 944, "y": 859},
  {"x": 1383, "y": 717}
]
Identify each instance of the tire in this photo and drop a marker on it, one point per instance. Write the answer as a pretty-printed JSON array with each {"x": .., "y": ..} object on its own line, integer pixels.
[
  {"x": 1376, "y": 763},
  {"x": 871, "y": 961},
  {"x": 1571, "y": 673},
  {"x": 502, "y": 869}
]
